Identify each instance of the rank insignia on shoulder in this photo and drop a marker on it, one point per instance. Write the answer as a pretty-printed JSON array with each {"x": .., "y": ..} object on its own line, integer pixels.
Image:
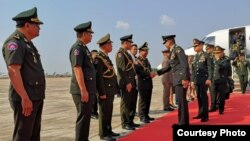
[
  {"x": 178, "y": 50},
  {"x": 12, "y": 46},
  {"x": 17, "y": 36},
  {"x": 76, "y": 52}
]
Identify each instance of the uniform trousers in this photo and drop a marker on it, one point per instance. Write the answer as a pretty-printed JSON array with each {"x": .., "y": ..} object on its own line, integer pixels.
[
  {"x": 83, "y": 117},
  {"x": 27, "y": 128}
]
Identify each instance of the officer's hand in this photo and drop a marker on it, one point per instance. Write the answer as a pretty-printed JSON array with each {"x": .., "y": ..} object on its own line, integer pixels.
[
  {"x": 185, "y": 83},
  {"x": 103, "y": 97},
  {"x": 152, "y": 74},
  {"x": 85, "y": 96},
  {"x": 27, "y": 107},
  {"x": 192, "y": 85},
  {"x": 208, "y": 82},
  {"x": 129, "y": 87}
]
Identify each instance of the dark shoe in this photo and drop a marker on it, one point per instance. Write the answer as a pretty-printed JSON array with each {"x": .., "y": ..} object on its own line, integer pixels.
[
  {"x": 128, "y": 127},
  {"x": 212, "y": 110},
  {"x": 144, "y": 120},
  {"x": 168, "y": 109},
  {"x": 108, "y": 138},
  {"x": 150, "y": 118},
  {"x": 204, "y": 120},
  {"x": 173, "y": 106},
  {"x": 221, "y": 112},
  {"x": 134, "y": 124},
  {"x": 113, "y": 134},
  {"x": 94, "y": 116},
  {"x": 197, "y": 117}
]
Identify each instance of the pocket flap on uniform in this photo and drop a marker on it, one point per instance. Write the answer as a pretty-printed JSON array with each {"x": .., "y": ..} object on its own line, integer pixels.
[{"x": 37, "y": 83}]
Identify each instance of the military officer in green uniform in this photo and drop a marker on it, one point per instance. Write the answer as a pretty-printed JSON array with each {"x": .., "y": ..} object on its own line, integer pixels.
[
  {"x": 221, "y": 73},
  {"x": 145, "y": 83},
  {"x": 107, "y": 87},
  {"x": 83, "y": 81},
  {"x": 201, "y": 78},
  {"x": 180, "y": 70},
  {"x": 242, "y": 67},
  {"x": 27, "y": 89},
  {"x": 126, "y": 81}
]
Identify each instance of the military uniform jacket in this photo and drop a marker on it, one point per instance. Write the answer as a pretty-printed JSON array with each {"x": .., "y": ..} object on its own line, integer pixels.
[
  {"x": 201, "y": 68},
  {"x": 143, "y": 69},
  {"x": 80, "y": 56},
  {"x": 18, "y": 50},
  {"x": 166, "y": 77},
  {"x": 125, "y": 68},
  {"x": 222, "y": 70},
  {"x": 106, "y": 79},
  {"x": 242, "y": 67},
  {"x": 178, "y": 65}
]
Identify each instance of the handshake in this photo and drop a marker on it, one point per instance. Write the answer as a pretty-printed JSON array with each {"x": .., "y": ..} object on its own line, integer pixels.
[{"x": 152, "y": 74}]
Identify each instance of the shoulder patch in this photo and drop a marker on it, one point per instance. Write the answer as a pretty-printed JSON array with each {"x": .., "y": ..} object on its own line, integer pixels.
[
  {"x": 12, "y": 46},
  {"x": 76, "y": 52}
]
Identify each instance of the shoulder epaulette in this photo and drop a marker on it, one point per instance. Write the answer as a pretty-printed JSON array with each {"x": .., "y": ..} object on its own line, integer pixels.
[{"x": 16, "y": 36}]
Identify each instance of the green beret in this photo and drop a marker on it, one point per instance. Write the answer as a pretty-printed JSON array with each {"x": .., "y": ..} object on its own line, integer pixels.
[
  {"x": 27, "y": 16},
  {"x": 127, "y": 38},
  {"x": 144, "y": 46},
  {"x": 104, "y": 40},
  {"x": 197, "y": 42},
  {"x": 167, "y": 37},
  {"x": 84, "y": 27},
  {"x": 218, "y": 49}
]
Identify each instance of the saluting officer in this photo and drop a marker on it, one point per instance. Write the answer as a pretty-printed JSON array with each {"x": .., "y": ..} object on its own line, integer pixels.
[
  {"x": 242, "y": 66},
  {"x": 180, "y": 69},
  {"x": 107, "y": 87},
  {"x": 220, "y": 78},
  {"x": 126, "y": 81},
  {"x": 145, "y": 83},
  {"x": 201, "y": 78},
  {"x": 83, "y": 80},
  {"x": 27, "y": 89}
]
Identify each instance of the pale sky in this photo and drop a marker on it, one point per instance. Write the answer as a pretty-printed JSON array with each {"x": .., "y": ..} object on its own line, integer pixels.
[{"x": 147, "y": 20}]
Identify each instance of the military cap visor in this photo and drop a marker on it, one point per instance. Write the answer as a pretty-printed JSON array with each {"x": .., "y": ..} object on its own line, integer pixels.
[
  {"x": 167, "y": 37},
  {"x": 27, "y": 16},
  {"x": 84, "y": 27},
  {"x": 144, "y": 47},
  {"x": 127, "y": 38},
  {"x": 104, "y": 40},
  {"x": 197, "y": 42},
  {"x": 209, "y": 46},
  {"x": 218, "y": 49}
]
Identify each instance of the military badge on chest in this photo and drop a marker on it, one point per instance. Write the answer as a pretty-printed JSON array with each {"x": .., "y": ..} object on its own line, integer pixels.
[
  {"x": 202, "y": 58},
  {"x": 89, "y": 55},
  {"x": 173, "y": 56}
]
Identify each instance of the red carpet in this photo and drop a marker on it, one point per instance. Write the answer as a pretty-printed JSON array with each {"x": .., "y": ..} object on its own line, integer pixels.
[{"x": 237, "y": 111}]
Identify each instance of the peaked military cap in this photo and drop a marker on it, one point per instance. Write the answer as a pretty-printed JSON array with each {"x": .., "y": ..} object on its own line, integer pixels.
[
  {"x": 209, "y": 45},
  {"x": 197, "y": 42},
  {"x": 167, "y": 37},
  {"x": 144, "y": 46},
  {"x": 84, "y": 27},
  {"x": 218, "y": 49},
  {"x": 94, "y": 50},
  {"x": 165, "y": 51},
  {"x": 127, "y": 38},
  {"x": 104, "y": 40},
  {"x": 27, "y": 16}
]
